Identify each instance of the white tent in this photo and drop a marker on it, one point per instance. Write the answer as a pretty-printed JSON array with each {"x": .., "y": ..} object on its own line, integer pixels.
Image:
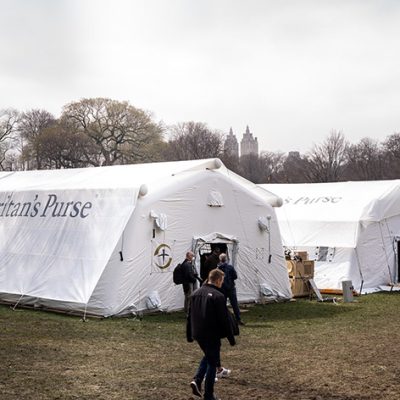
[
  {"x": 105, "y": 240},
  {"x": 351, "y": 229}
]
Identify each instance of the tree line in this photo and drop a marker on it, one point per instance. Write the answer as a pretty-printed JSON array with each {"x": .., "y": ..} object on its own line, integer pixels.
[{"x": 102, "y": 131}]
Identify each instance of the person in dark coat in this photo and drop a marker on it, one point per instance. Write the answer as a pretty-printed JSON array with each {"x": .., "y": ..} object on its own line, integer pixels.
[
  {"x": 229, "y": 287},
  {"x": 190, "y": 279},
  {"x": 208, "y": 322},
  {"x": 210, "y": 263}
]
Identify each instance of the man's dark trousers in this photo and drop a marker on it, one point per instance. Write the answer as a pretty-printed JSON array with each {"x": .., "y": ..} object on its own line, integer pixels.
[{"x": 208, "y": 366}]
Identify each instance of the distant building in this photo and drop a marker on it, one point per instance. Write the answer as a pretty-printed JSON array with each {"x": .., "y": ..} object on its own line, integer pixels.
[
  {"x": 294, "y": 154},
  {"x": 248, "y": 145},
  {"x": 231, "y": 145}
]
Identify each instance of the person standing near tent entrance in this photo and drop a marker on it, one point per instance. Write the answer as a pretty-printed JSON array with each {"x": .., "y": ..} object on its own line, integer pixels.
[
  {"x": 228, "y": 287},
  {"x": 190, "y": 279},
  {"x": 211, "y": 263},
  {"x": 207, "y": 323}
]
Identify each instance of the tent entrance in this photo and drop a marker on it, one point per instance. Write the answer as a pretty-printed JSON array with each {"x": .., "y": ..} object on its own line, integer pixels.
[
  {"x": 203, "y": 247},
  {"x": 206, "y": 249}
]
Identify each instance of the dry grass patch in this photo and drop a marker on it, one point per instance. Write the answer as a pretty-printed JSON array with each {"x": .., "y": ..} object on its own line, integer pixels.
[{"x": 296, "y": 350}]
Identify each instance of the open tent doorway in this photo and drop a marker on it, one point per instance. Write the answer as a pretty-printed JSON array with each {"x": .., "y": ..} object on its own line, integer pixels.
[
  {"x": 205, "y": 245},
  {"x": 205, "y": 251}
]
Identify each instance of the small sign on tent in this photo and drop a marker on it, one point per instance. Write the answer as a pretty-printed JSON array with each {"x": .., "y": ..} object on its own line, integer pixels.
[{"x": 162, "y": 256}]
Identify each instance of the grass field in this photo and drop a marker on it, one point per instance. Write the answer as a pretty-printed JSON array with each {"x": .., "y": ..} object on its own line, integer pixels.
[{"x": 294, "y": 350}]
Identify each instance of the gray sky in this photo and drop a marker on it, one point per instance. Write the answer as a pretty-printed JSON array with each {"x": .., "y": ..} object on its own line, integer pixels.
[{"x": 292, "y": 70}]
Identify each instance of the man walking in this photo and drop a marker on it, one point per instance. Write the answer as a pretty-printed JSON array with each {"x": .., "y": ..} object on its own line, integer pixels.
[
  {"x": 229, "y": 287},
  {"x": 211, "y": 262},
  {"x": 190, "y": 278},
  {"x": 207, "y": 323}
]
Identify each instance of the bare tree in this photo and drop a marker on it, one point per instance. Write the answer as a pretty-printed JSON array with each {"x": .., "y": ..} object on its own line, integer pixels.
[
  {"x": 61, "y": 148},
  {"x": 193, "y": 141},
  {"x": 251, "y": 167},
  {"x": 263, "y": 168},
  {"x": 8, "y": 122},
  {"x": 30, "y": 126},
  {"x": 391, "y": 155},
  {"x": 231, "y": 161},
  {"x": 118, "y": 132},
  {"x": 365, "y": 161},
  {"x": 294, "y": 169},
  {"x": 273, "y": 165},
  {"x": 326, "y": 162}
]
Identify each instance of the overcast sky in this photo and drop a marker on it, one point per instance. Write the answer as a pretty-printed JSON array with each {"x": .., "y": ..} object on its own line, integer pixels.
[{"x": 292, "y": 70}]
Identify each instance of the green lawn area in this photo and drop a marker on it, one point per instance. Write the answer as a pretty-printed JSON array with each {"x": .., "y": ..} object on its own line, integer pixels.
[{"x": 294, "y": 350}]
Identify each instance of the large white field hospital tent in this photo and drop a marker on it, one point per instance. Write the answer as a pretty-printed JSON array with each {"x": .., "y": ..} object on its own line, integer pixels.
[
  {"x": 104, "y": 241},
  {"x": 351, "y": 230}
]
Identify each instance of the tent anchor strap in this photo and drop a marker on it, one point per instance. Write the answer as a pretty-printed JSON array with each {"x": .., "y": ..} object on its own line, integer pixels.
[
  {"x": 84, "y": 314},
  {"x": 16, "y": 304},
  {"x": 361, "y": 287}
]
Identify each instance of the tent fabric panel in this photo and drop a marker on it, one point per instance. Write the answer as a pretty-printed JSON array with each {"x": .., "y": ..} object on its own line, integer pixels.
[
  {"x": 346, "y": 201},
  {"x": 376, "y": 254},
  {"x": 384, "y": 206},
  {"x": 329, "y": 275},
  {"x": 317, "y": 233},
  {"x": 54, "y": 255}
]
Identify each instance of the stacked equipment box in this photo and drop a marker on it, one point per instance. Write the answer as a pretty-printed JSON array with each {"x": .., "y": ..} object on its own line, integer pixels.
[{"x": 300, "y": 270}]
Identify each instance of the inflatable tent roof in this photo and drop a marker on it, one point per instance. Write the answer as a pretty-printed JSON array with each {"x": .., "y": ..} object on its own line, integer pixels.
[{"x": 330, "y": 214}]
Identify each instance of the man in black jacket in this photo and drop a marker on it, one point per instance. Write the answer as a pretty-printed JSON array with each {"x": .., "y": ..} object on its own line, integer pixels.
[
  {"x": 210, "y": 263},
  {"x": 208, "y": 321},
  {"x": 229, "y": 287},
  {"x": 190, "y": 279}
]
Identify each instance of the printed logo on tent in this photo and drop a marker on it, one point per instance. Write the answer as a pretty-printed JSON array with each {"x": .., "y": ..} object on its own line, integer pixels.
[
  {"x": 11, "y": 206},
  {"x": 313, "y": 200},
  {"x": 163, "y": 256}
]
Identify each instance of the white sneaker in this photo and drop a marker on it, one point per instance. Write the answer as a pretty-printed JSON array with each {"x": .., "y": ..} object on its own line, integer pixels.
[
  {"x": 224, "y": 373},
  {"x": 195, "y": 388},
  {"x": 216, "y": 379}
]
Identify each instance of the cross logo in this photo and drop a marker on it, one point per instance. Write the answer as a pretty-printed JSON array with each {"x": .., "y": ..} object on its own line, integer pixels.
[{"x": 162, "y": 256}]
